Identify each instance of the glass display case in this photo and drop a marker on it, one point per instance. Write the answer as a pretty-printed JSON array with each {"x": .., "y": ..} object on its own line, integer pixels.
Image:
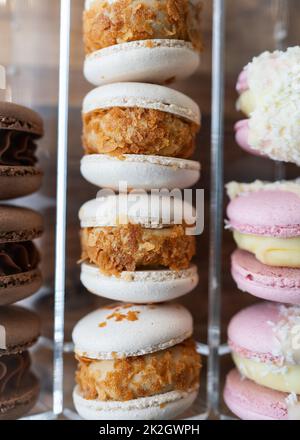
[{"x": 43, "y": 56}]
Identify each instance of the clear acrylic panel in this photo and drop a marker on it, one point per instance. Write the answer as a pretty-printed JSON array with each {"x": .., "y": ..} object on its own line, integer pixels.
[
  {"x": 36, "y": 36},
  {"x": 28, "y": 51},
  {"x": 275, "y": 24}
]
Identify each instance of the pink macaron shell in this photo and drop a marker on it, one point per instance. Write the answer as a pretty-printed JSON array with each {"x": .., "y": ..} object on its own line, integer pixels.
[
  {"x": 241, "y": 129},
  {"x": 242, "y": 82},
  {"x": 250, "y": 401},
  {"x": 246, "y": 329},
  {"x": 266, "y": 282},
  {"x": 272, "y": 213}
]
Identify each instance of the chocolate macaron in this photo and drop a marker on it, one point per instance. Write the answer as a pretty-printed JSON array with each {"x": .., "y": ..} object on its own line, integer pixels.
[
  {"x": 20, "y": 276},
  {"x": 20, "y": 128},
  {"x": 19, "y": 330},
  {"x": 19, "y": 388}
]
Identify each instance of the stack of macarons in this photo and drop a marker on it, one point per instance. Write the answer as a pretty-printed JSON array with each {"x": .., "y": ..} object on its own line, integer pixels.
[
  {"x": 269, "y": 96},
  {"x": 19, "y": 387},
  {"x": 141, "y": 40},
  {"x": 265, "y": 219},
  {"x": 134, "y": 128},
  {"x": 137, "y": 358},
  {"x": 20, "y": 276}
]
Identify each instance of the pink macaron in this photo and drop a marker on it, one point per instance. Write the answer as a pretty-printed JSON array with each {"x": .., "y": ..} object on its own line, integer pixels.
[
  {"x": 278, "y": 284},
  {"x": 250, "y": 401},
  {"x": 266, "y": 333},
  {"x": 242, "y": 82},
  {"x": 242, "y": 130},
  {"x": 270, "y": 213}
]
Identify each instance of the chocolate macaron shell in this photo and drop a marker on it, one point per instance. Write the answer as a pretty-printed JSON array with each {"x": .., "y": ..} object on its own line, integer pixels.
[
  {"x": 14, "y": 288},
  {"x": 19, "y": 329},
  {"x": 19, "y": 402},
  {"x": 19, "y": 224},
  {"x": 19, "y": 181},
  {"x": 19, "y": 118}
]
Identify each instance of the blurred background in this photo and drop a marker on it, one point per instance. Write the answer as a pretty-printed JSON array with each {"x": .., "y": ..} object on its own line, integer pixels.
[{"x": 30, "y": 52}]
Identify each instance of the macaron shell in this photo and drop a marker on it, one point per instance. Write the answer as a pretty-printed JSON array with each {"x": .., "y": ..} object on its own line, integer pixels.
[
  {"x": 139, "y": 171},
  {"x": 266, "y": 282},
  {"x": 19, "y": 224},
  {"x": 19, "y": 181},
  {"x": 19, "y": 329},
  {"x": 242, "y": 136},
  {"x": 150, "y": 211},
  {"x": 152, "y": 286},
  {"x": 19, "y": 118},
  {"x": 131, "y": 330},
  {"x": 268, "y": 213},
  {"x": 18, "y": 403},
  {"x": 247, "y": 327},
  {"x": 149, "y": 61},
  {"x": 14, "y": 288},
  {"x": 150, "y": 96},
  {"x": 162, "y": 407},
  {"x": 250, "y": 401}
]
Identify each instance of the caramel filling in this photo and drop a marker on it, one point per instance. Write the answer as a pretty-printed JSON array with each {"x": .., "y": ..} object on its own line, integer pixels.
[
  {"x": 123, "y": 21},
  {"x": 118, "y": 131},
  {"x": 177, "y": 368},
  {"x": 128, "y": 247}
]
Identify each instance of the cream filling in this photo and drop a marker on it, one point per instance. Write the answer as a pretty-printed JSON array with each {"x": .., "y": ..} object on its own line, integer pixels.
[
  {"x": 247, "y": 103},
  {"x": 280, "y": 378},
  {"x": 278, "y": 252}
]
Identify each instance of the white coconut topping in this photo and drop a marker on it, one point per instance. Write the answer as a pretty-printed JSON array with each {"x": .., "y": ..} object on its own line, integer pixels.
[
  {"x": 273, "y": 72},
  {"x": 287, "y": 335},
  {"x": 292, "y": 399},
  {"x": 274, "y": 127},
  {"x": 274, "y": 83},
  {"x": 235, "y": 189}
]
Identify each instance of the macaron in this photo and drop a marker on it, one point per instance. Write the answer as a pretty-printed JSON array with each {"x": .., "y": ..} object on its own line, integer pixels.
[
  {"x": 19, "y": 387},
  {"x": 269, "y": 92},
  {"x": 20, "y": 128},
  {"x": 142, "y": 134},
  {"x": 140, "y": 171},
  {"x": 137, "y": 247},
  {"x": 280, "y": 284},
  {"x": 146, "y": 41},
  {"x": 20, "y": 276},
  {"x": 265, "y": 222},
  {"x": 19, "y": 330},
  {"x": 264, "y": 340},
  {"x": 250, "y": 401},
  {"x": 136, "y": 362}
]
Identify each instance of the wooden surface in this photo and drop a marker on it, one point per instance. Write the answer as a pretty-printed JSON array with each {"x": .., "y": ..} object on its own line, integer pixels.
[{"x": 32, "y": 56}]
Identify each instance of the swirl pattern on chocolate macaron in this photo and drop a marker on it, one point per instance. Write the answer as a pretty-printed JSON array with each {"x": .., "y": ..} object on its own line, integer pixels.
[
  {"x": 12, "y": 370},
  {"x": 17, "y": 148},
  {"x": 18, "y": 258}
]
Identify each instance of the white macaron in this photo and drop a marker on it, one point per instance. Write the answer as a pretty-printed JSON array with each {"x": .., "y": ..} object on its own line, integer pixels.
[
  {"x": 155, "y": 61},
  {"x": 140, "y": 208},
  {"x": 142, "y": 95},
  {"x": 103, "y": 336},
  {"x": 142, "y": 286},
  {"x": 140, "y": 171},
  {"x": 150, "y": 285}
]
